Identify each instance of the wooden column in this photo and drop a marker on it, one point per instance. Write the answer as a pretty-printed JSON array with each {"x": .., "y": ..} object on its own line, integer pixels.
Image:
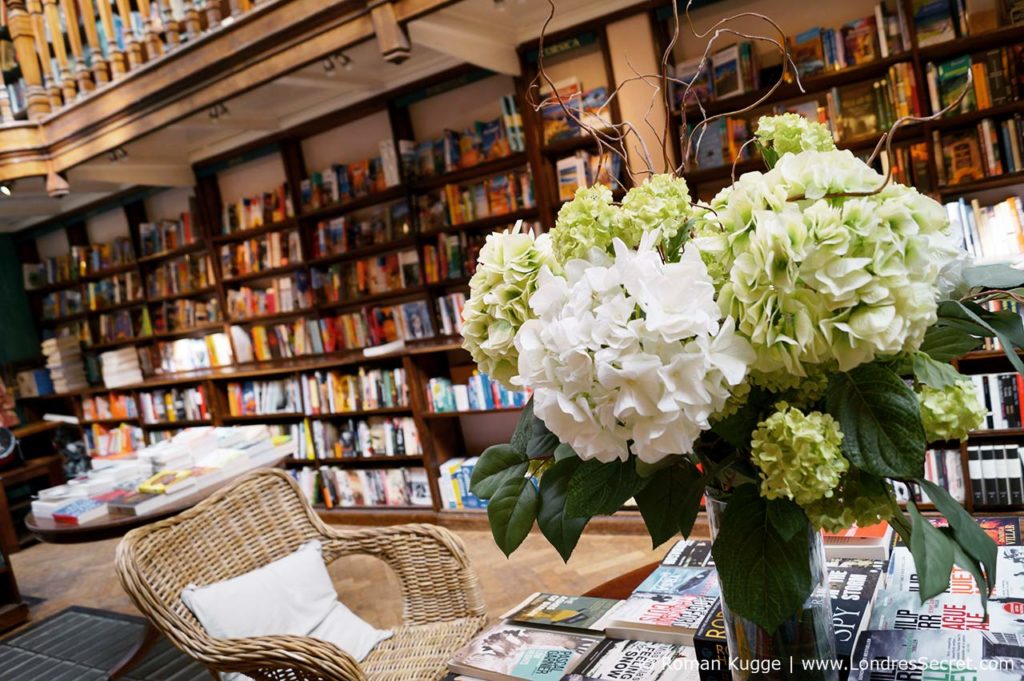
[
  {"x": 131, "y": 43},
  {"x": 211, "y": 8},
  {"x": 118, "y": 67},
  {"x": 82, "y": 75},
  {"x": 192, "y": 24},
  {"x": 99, "y": 61},
  {"x": 19, "y": 23},
  {"x": 151, "y": 38},
  {"x": 391, "y": 38},
  {"x": 172, "y": 27},
  {"x": 6, "y": 112},
  {"x": 67, "y": 81},
  {"x": 35, "y": 11}
]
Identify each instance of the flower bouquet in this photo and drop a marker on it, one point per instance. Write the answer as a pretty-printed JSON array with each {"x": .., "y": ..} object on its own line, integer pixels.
[{"x": 783, "y": 352}]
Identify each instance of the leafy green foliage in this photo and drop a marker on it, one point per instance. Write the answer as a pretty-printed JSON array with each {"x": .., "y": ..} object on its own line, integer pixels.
[
  {"x": 786, "y": 517},
  {"x": 496, "y": 466},
  {"x": 674, "y": 247},
  {"x": 933, "y": 555},
  {"x": 764, "y": 576},
  {"x": 964, "y": 561},
  {"x": 880, "y": 420},
  {"x": 564, "y": 451},
  {"x": 975, "y": 543},
  {"x": 993, "y": 277},
  {"x": 602, "y": 488},
  {"x": 945, "y": 343},
  {"x": 975, "y": 320},
  {"x": 511, "y": 512},
  {"x": 737, "y": 427},
  {"x": 670, "y": 501},
  {"x": 560, "y": 529},
  {"x": 934, "y": 374},
  {"x": 524, "y": 429}
]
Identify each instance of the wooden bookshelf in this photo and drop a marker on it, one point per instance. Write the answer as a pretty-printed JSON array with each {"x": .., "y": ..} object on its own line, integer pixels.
[{"x": 445, "y": 436}]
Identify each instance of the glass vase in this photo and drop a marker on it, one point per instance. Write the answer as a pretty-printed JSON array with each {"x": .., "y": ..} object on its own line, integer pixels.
[{"x": 801, "y": 645}]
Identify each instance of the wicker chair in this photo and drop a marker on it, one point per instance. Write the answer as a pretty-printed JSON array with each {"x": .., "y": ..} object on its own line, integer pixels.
[{"x": 263, "y": 517}]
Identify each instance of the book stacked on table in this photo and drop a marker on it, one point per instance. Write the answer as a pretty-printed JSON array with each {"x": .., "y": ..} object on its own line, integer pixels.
[
  {"x": 120, "y": 367},
  {"x": 64, "y": 361}
]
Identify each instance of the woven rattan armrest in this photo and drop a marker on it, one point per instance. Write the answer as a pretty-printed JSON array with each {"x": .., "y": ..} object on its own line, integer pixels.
[{"x": 279, "y": 657}]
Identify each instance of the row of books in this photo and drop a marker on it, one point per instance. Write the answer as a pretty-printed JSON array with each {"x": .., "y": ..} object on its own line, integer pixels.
[
  {"x": 996, "y": 474},
  {"x": 62, "y": 303},
  {"x": 368, "y": 227},
  {"x": 353, "y": 279},
  {"x": 186, "y": 354},
  {"x": 376, "y": 436},
  {"x": 255, "y": 211},
  {"x": 1001, "y": 394},
  {"x": 336, "y": 392},
  {"x": 265, "y": 252},
  {"x": 449, "y": 312},
  {"x": 175, "y": 404},
  {"x": 180, "y": 276},
  {"x": 115, "y": 290},
  {"x": 995, "y": 231},
  {"x": 181, "y": 315},
  {"x": 589, "y": 107},
  {"x": 995, "y": 80},
  {"x": 97, "y": 258},
  {"x": 454, "y": 256},
  {"x": 479, "y": 393},
  {"x": 256, "y": 398},
  {"x": 861, "y": 41},
  {"x": 281, "y": 294},
  {"x": 453, "y": 484},
  {"x": 343, "y": 182},
  {"x": 939, "y": 21},
  {"x": 584, "y": 169},
  {"x": 909, "y": 164},
  {"x": 988, "y": 149},
  {"x": 124, "y": 325},
  {"x": 113, "y": 405},
  {"x": 861, "y": 110},
  {"x": 941, "y": 466},
  {"x": 481, "y": 142},
  {"x": 730, "y": 71},
  {"x": 116, "y": 442},
  {"x": 53, "y": 270},
  {"x": 333, "y": 487},
  {"x": 163, "y": 236},
  {"x": 457, "y": 204}
]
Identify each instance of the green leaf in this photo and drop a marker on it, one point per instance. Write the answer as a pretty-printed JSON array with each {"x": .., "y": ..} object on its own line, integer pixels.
[
  {"x": 497, "y": 465},
  {"x": 674, "y": 247},
  {"x": 524, "y": 429},
  {"x": 976, "y": 320},
  {"x": 646, "y": 470},
  {"x": 511, "y": 512},
  {"x": 542, "y": 441},
  {"x": 944, "y": 344},
  {"x": 564, "y": 451},
  {"x": 670, "y": 501},
  {"x": 933, "y": 555},
  {"x": 934, "y": 374},
  {"x": 964, "y": 561},
  {"x": 993, "y": 277},
  {"x": 966, "y": 532},
  {"x": 738, "y": 426},
  {"x": 602, "y": 488},
  {"x": 764, "y": 577},
  {"x": 880, "y": 419},
  {"x": 561, "y": 530},
  {"x": 902, "y": 525},
  {"x": 787, "y": 518}
]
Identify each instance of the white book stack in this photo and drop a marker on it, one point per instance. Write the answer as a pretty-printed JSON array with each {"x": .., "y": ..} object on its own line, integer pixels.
[
  {"x": 121, "y": 367},
  {"x": 64, "y": 362}
]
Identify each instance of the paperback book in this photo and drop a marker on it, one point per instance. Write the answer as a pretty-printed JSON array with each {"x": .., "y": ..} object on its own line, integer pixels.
[
  {"x": 510, "y": 653},
  {"x": 578, "y": 613}
]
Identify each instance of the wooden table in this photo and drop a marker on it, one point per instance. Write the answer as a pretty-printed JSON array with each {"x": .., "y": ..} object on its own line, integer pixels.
[
  {"x": 108, "y": 526},
  {"x": 49, "y": 467},
  {"x": 621, "y": 587}
]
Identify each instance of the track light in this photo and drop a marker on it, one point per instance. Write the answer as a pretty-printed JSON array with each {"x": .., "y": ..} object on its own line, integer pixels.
[
  {"x": 345, "y": 61},
  {"x": 328, "y": 65},
  {"x": 6, "y": 188},
  {"x": 218, "y": 110},
  {"x": 118, "y": 154}
]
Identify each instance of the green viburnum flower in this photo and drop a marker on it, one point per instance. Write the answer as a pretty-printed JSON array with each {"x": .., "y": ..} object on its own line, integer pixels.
[
  {"x": 740, "y": 395},
  {"x": 791, "y": 133},
  {"x": 799, "y": 455},
  {"x": 500, "y": 290},
  {"x": 799, "y": 391},
  {"x": 826, "y": 281},
  {"x": 861, "y": 500},
  {"x": 950, "y": 413},
  {"x": 590, "y": 220},
  {"x": 661, "y": 203}
]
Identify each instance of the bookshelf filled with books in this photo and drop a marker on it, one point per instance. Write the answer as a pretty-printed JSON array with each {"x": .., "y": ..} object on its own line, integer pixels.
[{"x": 254, "y": 300}]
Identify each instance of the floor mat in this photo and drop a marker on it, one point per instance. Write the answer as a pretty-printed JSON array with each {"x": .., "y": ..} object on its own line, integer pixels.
[{"x": 83, "y": 644}]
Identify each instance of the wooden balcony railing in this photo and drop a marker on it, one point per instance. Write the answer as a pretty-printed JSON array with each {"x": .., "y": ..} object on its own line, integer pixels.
[{"x": 58, "y": 50}]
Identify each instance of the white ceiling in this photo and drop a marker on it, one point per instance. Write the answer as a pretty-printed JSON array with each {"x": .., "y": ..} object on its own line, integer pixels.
[{"x": 483, "y": 32}]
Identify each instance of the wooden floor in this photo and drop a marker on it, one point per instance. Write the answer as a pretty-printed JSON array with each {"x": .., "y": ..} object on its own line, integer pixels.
[{"x": 83, "y": 574}]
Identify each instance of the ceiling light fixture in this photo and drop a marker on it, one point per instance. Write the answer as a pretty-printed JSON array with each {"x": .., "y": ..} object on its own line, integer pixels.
[
  {"x": 6, "y": 188},
  {"x": 218, "y": 110},
  {"x": 117, "y": 154},
  {"x": 500, "y": 5},
  {"x": 328, "y": 65}
]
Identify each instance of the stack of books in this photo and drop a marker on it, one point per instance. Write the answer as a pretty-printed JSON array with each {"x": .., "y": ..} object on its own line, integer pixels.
[
  {"x": 64, "y": 361},
  {"x": 479, "y": 393},
  {"x": 120, "y": 367},
  {"x": 377, "y": 436},
  {"x": 333, "y": 487}
]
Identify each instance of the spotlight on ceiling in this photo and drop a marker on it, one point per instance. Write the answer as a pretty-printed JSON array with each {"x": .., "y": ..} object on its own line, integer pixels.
[
  {"x": 218, "y": 110},
  {"x": 56, "y": 186},
  {"x": 344, "y": 60},
  {"x": 328, "y": 65},
  {"x": 6, "y": 188}
]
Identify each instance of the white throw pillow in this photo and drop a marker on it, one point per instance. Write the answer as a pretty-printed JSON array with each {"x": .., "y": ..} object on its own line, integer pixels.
[{"x": 292, "y": 595}]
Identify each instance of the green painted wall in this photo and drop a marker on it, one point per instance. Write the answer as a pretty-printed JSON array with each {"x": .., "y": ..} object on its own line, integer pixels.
[{"x": 19, "y": 338}]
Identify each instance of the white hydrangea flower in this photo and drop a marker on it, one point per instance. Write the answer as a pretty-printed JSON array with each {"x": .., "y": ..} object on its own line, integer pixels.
[
  {"x": 840, "y": 280},
  {"x": 629, "y": 349}
]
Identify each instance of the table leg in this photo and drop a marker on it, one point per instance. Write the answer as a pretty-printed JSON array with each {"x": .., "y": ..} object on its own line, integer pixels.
[
  {"x": 146, "y": 640},
  {"x": 8, "y": 534}
]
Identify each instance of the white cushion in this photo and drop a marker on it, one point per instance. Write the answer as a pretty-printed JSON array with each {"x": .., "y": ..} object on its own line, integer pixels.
[{"x": 292, "y": 595}]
